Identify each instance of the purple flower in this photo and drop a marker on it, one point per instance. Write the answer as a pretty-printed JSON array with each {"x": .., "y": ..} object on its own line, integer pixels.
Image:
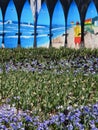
[
  {"x": 28, "y": 118},
  {"x": 92, "y": 124},
  {"x": 70, "y": 127},
  {"x": 61, "y": 117}
]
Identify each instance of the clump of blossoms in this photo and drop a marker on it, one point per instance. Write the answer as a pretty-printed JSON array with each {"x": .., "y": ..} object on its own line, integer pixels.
[
  {"x": 82, "y": 118},
  {"x": 85, "y": 117},
  {"x": 15, "y": 119},
  {"x": 80, "y": 65}
]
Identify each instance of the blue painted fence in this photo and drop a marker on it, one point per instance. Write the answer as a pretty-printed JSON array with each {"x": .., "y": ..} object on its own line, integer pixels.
[{"x": 22, "y": 32}]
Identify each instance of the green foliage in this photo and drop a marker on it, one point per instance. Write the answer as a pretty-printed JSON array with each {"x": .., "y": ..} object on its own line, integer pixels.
[
  {"x": 43, "y": 93},
  {"x": 19, "y": 54},
  {"x": 48, "y": 92}
]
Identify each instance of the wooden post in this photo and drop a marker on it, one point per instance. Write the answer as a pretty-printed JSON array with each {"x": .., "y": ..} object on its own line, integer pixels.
[{"x": 35, "y": 6}]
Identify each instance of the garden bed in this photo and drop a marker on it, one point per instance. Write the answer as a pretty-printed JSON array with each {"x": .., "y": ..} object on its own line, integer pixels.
[{"x": 46, "y": 87}]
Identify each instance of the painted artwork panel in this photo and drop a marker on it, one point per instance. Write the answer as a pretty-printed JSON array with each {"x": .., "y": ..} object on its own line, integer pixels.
[
  {"x": 11, "y": 26},
  {"x": 91, "y": 27},
  {"x": 43, "y": 24},
  {"x": 27, "y": 26},
  {"x": 58, "y": 26},
  {"x": 73, "y": 27},
  {"x": 1, "y": 28}
]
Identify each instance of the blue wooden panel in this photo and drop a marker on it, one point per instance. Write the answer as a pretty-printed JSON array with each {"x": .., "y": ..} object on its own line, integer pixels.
[
  {"x": 58, "y": 24},
  {"x": 43, "y": 24},
  {"x": 73, "y": 26},
  {"x": 1, "y": 27},
  {"x": 73, "y": 14},
  {"x": 11, "y": 26},
  {"x": 91, "y": 11},
  {"x": 91, "y": 27},
  {"x": 27, "y": 26}
]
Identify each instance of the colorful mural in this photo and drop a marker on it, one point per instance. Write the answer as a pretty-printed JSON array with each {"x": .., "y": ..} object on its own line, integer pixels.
[
  {"x": 73, "y": 27},
  {"x": 91, "y": 27},
  {"x": 27, "y": 26},
  {"x": 34, "y": 21},
  {"x": 1, "y": 28},
  {"x": 43, "y": 24},
  {"x": 58, "y": 25},
  {"x": 11, "y": 26}
]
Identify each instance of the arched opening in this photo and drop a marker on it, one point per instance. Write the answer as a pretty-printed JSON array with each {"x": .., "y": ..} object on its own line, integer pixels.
[
  {"x": 26, "y": 26},
  {"x": 91, "y": 27},
  {"x": 11, "y": 26},
  {"x": 43, "y": 23},
  {"x": 58, "y": 25},
  {"x": 1, "y": 28},
  {"x": 73, "y": 26}
]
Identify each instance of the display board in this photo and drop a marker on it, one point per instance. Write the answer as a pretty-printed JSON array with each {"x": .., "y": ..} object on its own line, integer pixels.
[
  {"x": 1, "y": 28},
  {"x": 73, "y": 27},
  {"x": 58, "y": 26},
  {"x": 91, "y": 27},
  {"x": 27, "y": 26},
  {"x": 11, "y": 26},
  {"x": 43, "y": 23}
]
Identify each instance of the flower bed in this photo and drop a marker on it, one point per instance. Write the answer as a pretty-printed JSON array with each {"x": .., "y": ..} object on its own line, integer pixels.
[
  {"x": 48, "y": 89},
  {"x": 83, "y": 118}
]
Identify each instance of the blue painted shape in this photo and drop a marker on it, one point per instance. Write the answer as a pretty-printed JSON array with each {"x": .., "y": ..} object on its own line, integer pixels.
[
  {"x": 27, "y": 26},
  {"x": 91, "y": 26},
  {"x": 11, "y": 26},
  {"x": 1, "y": 27},
  {"x": 58, "y": 15},
  {"x": 73, "y": 15},
  {"x": 58, "y": 20},
  {"x": 74, "y": 31},
  {"x": 43, "y": 24},
  {"x": 91, "y": 11}
]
